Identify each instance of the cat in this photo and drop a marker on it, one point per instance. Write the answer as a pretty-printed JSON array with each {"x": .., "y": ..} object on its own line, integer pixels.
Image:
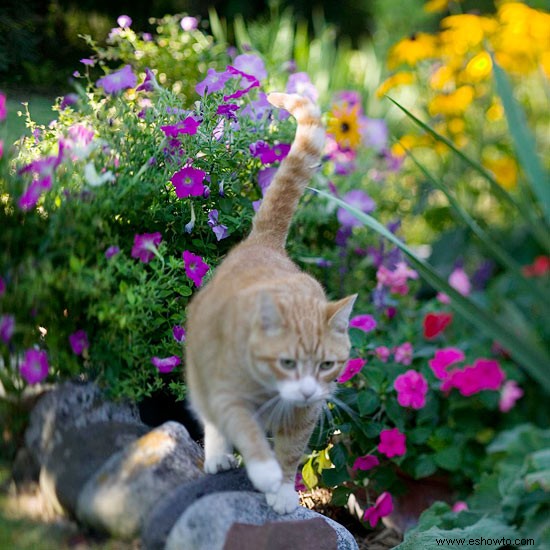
[{"x": 264, "y": 346}]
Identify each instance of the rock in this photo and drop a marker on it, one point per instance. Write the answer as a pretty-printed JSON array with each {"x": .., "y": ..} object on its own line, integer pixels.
[
  {"x": 78, "y": 455},
  {"x": 71, "y": 405},
  {"x": 205, "y": 525},
  {"x": 167, "y": 511},
  {"x": 118, "y": 497}
]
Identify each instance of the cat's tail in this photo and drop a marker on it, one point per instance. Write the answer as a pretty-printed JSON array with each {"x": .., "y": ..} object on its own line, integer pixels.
[{"x": 272, "y": 221}]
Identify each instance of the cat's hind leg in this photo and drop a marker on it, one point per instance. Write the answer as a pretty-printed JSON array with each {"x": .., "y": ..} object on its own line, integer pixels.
[{"x": 218, "y": 452}]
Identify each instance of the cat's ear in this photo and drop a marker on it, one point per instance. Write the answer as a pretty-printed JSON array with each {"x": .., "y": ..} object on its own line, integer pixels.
[
  {"x": 338, "y": 313},
  {"x": 269, "y": 316}
]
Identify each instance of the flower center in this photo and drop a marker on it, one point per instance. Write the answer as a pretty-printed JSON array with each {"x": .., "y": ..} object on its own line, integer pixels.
[{"x": 344, "y": 127}]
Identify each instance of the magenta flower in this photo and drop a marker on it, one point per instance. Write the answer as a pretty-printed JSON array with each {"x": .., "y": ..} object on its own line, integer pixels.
[
  {"x": 382, "y": 353},
  {"x": 79, "y": 341},
  {"x": 509, "y": 394},
  {"x": 359, "y": 200},
  {"x": 251, "y": 65},
  {"x": 150, "y": 83},
  {"x": 178, "y": 332},
  {"x": 213, "y": 82},
  {"x": 188, "y": 126},
  {"x": 460, "y": 281},
  {"x": 411, "y": 389},
  {"x": 188, "y": 182},
  {"x": 2, "y": 286},
  {"x": 111, "y": 251},
  {"x": 188, "y": 23},
  {"x": 117, "y": 81},
  {"x": 392, "y": 443},
  {"x": 219, "y": 230},
  {"x": 396, "y": 280},
  {"x": 7, "y": 327},
  {"x": 299, "y": 484},
  {"x": 459, "y": 506},
  {"x": 403, "y": 354},
  {"x": 3, "y": 110},
  {"x": 34, "y": 367},
  {"x": 228, "y": 110},
  {"x": 268, "y": 154},
  {"x": 443, "y": 359},
  {"x": 249, "y": 83},
  {"x": 166, "y": 364},
  {"x": 353, "y": 366},
  {"x": 365, "y": 322},
  {"x": 145, "y": 246},
  {"x": 195, "y": 267},
  {"x": 87, "y": 62},
  {"x": 485, "y": 374},
  {"x": 382, "y": 507},
  {"x": 366, "y": 462},
  {"x": 33, "y": 192}
]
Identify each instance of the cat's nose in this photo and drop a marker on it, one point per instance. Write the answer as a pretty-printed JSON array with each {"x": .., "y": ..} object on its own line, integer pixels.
[{"x": 308, "y": 388}]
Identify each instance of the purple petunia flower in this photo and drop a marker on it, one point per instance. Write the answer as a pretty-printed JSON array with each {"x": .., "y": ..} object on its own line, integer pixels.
[
  {"x": 188, "y": 182},
  {"x": 375, "y": 134},
  {"x": 124, "y": 21},
  {"x": 117, "y": 81},
  {"x": 7, "y": 327},
  {"x": 166, "y": 364},
  {"x": 145, "y": 246},
  {"x": 213, "y": 82},
  {"x": 359, "y": 200},
  {"x": 188, "y": 23},
  {"x": 257, "y": 109},
  {"x": 188, "y": 126},
  {"x": 34, "y": 367},
  {"x": 79, "y": 341},
  {"x": 178, "y": 332},
  {"x": 268, "y": 154},
  {"x": 251, "y": 82},
  {"x": 87, "y": 62},
  {"x": 195, "y": 267},
  {"x": 33, "y": 192},
  {"x": 228, "y": 110},
  {"x": 2, "y": 286},
  {"x": 68, "y": 100},
  {"x": 111, "y": 251},
  {"x": 219, "y": 230},
  {"x": 251, "y": 65},
  {"x": 150, "y": 83},
  {"x": 299, "y": 83}
]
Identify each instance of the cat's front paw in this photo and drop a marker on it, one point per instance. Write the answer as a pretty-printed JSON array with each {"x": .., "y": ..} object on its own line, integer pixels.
[
  {"x": 265, "y": 475},
  {"x": 219, "y": 463},
  {"x": 285, "y": 500}
]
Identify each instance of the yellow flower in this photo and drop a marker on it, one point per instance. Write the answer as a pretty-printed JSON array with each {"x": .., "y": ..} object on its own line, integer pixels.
[
  {"x": 452, "y": 104},
  {"x": 478, "y": 68},
  {"x": 344, "y": 125},
  {"x": 433, "y": 6},
  {"x": 408, "y": 142},
  {"x": 398, "y": 79},
  {"x": 442, "y": 78},
  {"x": 411, "y": 50},
  {"x": 462, "y": 33},
  {"x": 505, "y": 170},
  {"x": 495, "y": 112}
]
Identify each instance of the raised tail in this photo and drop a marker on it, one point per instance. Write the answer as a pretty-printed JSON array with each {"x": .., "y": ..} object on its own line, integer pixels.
[{"x": 272, "y": 221}]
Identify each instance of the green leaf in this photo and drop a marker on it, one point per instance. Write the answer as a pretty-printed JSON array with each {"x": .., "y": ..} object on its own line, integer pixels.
[
  {"x": 335, "y": 476},
  {"x": 424, "y": 466},
  {"x": 533, "y": 358},
  {"x": 367, "y": 402},
  {"x": 538, "y": 480},
  {"x": 524, "y": 142},
  {"x": 449, "y": 459},
  {"x": 338, "y": 455},
  {"x": 340, "y": 496}
]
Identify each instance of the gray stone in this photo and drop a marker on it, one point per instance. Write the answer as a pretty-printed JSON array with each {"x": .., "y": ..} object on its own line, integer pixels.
[
  {"x": 119, "y": 496},
  {"x": 71, "y": 405},
  {"x": 206, "y": 523},
  {"x": 168, "y": 510},
  {"x": 78, "y": 455}
]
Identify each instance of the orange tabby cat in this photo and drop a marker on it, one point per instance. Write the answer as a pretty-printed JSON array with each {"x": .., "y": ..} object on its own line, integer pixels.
[{"x": 264, "y": 346}]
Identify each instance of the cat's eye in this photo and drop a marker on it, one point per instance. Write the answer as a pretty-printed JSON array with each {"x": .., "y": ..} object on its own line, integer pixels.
[
  {"x": 288, "y": 364},
  {"x": 326, "y": 365}
]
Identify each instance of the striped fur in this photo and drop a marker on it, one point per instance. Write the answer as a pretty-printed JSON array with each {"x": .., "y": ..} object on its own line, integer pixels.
[{"x": 264, "y": 346}]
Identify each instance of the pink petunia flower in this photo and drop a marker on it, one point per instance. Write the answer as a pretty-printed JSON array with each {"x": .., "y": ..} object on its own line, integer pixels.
[
  {"x": 188, "y": 126},
  {"x": 3, "y": 110},
  {"x": 359, "y": 200},
  {"x": 443, "y": 359},
  {"x": 435, "y": 323},
  {"x": 366, "y": 462},
  {"x": 382, "y": 353},
  {"x": 396, "y": 280},
  {"x": 166, "y": 364},
  {"x": 459, "y": 506},
  {"x": 145, "y": 246},
  {"x": 117, "y": 81},
  {"x": 7, "y": 327},
  {"x": 34, "y": 367},
  {"x": 411, "y": 388},
  {"x": 188, "y": 182},
  {"x": 79, "y": 341},
  {"x": 459, "y": 280},
  {"x": 178, "y": 332},
  {"x": 353, "y": 366},
  {"x": 195, "y": 267},
  {"x": 509, "y": 394},
  {"x": 392, "y": 443},
  {"x": 485, "y": 374},
  {"x": 382, "y": 507},
  {"x": 403, "y": 353},
  {"x": 365, "y": 322}
]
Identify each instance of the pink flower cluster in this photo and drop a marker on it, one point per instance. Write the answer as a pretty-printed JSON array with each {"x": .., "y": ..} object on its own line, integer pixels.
[
  {"x": 411, "y": 388},
  {"x": 396, "y": 280}
]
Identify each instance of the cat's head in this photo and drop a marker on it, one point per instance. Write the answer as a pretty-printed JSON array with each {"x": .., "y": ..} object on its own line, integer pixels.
[{"x": 299, "y": 345}]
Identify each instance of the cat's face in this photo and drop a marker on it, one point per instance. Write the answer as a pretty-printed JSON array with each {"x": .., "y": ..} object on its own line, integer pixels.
[{"x": 299, "y": 346}]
